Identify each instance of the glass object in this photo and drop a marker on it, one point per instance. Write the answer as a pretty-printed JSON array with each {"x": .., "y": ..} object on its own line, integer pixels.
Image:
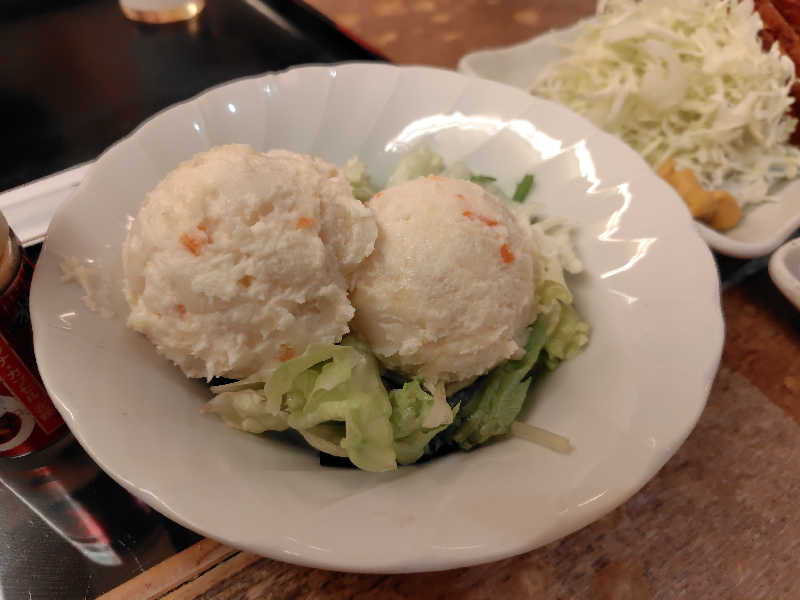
[{"x": 161, "y": 11}]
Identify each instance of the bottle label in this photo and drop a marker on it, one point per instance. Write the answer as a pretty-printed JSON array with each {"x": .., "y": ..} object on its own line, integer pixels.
[
  {"x": 28, "y": 419},
  {"x": 24, "y": 386},
  {"x": 15, "y": 320},
  {"x": 16, "y": 423},
  {"x": 19, "y": 433}
]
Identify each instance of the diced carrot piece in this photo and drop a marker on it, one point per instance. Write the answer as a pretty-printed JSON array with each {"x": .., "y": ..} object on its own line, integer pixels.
[
  {"x": 304, "y": 223},
  {"x": 476, "y": 217},
  {"x": 193, "y": 245},
  {"x": 286, "y": 353},
  {"x": 505, "y": 252}
]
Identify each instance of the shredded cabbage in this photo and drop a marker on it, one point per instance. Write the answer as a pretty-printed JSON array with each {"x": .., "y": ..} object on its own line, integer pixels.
[
  {"x": 332, "y": 394},
  {"x": 688, "y": 80},
  {"x": 543, "y": 437},
  {"x": 419, "y": 162},
  {"x": 355, "y": 171}
]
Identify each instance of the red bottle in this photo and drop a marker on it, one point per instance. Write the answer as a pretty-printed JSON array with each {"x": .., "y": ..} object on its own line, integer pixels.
[
  {"x": 28, "y": 419},
  {"x": 40, "y": 462}
]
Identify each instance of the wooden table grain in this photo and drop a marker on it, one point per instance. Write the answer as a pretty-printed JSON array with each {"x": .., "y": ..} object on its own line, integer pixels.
[{"x": 718, "y": 521}]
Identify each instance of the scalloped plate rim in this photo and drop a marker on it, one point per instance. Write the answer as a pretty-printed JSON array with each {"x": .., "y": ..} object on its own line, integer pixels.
[{"x": 49, "y": 371}]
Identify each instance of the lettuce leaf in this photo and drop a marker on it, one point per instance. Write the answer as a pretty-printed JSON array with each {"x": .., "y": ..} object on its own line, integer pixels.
[
  {"x": 368, "y": 439},
  {"x": 331, "y": 394},
  {"x": 411, "y": 405},
  {"x": 355, "y": 171},
  {"x": 568, "y": 338},
  {"x": 246, "y": 410},
  {"x": 490, "y": 407},
  {"x": 412, "y": 447},
  {"x": 423, "y": 161},
  {"x": 419, "y": 162},
  {"x": 498, "y": 399}
]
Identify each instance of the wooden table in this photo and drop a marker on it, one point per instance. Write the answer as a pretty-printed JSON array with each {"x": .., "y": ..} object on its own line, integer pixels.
[{"x": 718, "y": 521}]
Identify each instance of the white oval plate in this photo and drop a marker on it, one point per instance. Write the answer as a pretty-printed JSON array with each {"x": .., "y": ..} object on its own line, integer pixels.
[
  {"x": 763, "y": 228},
  {"x": 650, "y": 292},
  {"x": 784, "y": 269}
]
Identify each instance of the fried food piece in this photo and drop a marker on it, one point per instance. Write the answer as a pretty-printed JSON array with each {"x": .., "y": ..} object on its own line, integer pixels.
[
  {"x": 666, "y": 169},
  {"x": 727, "y": 212},
  {"x": 717, "y": 208},
  {"x": 790, "y": 11},
  {"x": 778, "y": 29},
  {"x": 697, "y": 199},
  {"x": 781, "y": 20}
]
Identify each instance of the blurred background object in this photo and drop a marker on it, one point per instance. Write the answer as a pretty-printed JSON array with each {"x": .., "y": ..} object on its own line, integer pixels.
[
  {"x": 77, "y": 75},
  {"x": 157, "y": 12}
]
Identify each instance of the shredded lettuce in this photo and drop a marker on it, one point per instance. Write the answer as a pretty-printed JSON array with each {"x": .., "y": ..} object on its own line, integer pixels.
[
  {"x": 420, "y": 162},
  {"x": 523, "y": 189},
  {"x": 688, "y": 80},
  {"x": 568, "y": 338},
  {"x": 490, "y": 408},
  {"x": 355, "y": 171},
  {"x": 411, "y": 406},
  {"x": 334, "y": 397},
  {"x": 498, "y": 400},
  {"x": 481, "y": 179},
  {"x": 332, "y": 394},
  {"x": 246, "y": 410},
  {"x": 543, "y": 437}
]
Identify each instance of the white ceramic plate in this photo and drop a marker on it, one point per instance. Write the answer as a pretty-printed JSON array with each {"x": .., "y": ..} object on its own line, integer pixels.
[
  {"x": 761, "y": 230},
  {"x": 784, "y": 269},
  {"x": 650, "y": 292}
]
